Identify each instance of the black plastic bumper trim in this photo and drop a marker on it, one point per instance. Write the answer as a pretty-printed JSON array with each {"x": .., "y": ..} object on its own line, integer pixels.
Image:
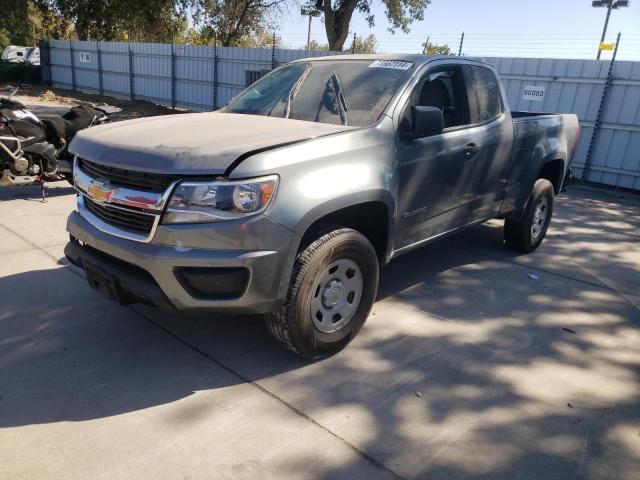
[{"x": 118, "y": 280}]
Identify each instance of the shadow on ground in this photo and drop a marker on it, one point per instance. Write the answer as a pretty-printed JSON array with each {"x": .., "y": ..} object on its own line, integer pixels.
[
  {"x": 467, "y": 368},
  {"x": 33, "y": 192}
]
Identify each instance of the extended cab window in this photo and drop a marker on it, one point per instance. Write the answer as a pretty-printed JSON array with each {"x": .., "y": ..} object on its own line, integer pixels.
[
  {"x": 485, "y": 100},
  {"x": 443, "y": 88}
]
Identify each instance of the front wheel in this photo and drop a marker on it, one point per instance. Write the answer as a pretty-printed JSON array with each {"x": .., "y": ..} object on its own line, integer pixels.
[
  {"x": 526, "y": 234},
  {"x": 332, "y": 290}
]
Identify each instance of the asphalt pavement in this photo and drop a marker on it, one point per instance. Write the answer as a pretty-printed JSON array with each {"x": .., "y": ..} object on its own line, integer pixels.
[{"x": 475, "y": 363}]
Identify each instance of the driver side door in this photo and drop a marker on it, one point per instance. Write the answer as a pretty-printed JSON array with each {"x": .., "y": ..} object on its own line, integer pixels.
[{"x": 436, "y": 190}]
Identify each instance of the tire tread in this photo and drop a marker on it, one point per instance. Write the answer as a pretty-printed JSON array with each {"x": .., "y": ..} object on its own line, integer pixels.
[{"x": 278, "y": 322}]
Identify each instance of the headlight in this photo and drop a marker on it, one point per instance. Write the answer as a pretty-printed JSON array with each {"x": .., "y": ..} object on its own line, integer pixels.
[{"x": 199, "y": 202}]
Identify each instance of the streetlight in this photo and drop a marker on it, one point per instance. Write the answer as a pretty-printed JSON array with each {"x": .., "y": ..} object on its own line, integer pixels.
[
  {"x": 611, "y": 5},
  {"x": 311, "y": 13}
]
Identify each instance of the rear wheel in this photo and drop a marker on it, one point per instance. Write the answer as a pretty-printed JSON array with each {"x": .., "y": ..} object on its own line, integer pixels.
[
  {"x": 526, "y": 234},
  {"x": 332, "y": 290}
]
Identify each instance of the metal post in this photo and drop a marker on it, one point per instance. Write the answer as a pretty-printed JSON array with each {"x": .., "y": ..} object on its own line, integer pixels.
[
  {"x": 48, "y": 60},
  {"x": 461, "y": 43},
  {"x": 598, "y": 122},
  {"x": 309, "y": 33},
  {"x": 604, "y": 30},
  {"x": 73, "y": 67},
  {"x": 273, "y": 51},
  {"x": 215, "y": 72},
  {"x": 173, "y": 76},
  {"x": 353, "y": 48},
  {"x": 132, "y": 95},
  {"x": 99, "y": 58},
  {"x": 43, "y": 63}
]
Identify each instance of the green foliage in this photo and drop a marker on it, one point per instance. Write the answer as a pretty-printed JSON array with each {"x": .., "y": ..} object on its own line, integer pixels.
[
  {"x": 435, "y": 49},
  {"x": 315, "y": 45},
  {"x": 365, "y": 44},
  {"x": 20, "y": 23},
  {"x": 338, "y": 13},
  {"x": 5, "y": 39},
  {"x": 151, "y": 20},
  {"x": 238, "y": 23}
]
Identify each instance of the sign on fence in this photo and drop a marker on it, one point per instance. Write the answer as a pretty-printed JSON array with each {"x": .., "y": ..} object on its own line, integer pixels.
[
  {"x": 533, "y": 93},
  {"x": 85, "y": 57}
]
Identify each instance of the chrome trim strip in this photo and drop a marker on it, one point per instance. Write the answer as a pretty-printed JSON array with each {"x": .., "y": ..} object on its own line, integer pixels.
[
  {"x": 144, "y": 203},
  {"x": 110, "y": 229},
  {"x": 121, "y": 195}
]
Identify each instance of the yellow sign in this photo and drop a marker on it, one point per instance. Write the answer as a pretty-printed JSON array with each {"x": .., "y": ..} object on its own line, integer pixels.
[{"x": 607, "y": 46}]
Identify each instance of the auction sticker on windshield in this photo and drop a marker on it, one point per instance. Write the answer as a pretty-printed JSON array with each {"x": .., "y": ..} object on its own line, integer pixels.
[{"x": 396, "y": 64}]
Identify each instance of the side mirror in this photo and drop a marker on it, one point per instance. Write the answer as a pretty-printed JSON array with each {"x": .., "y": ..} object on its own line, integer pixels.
[{"x": 426, "y": 121}]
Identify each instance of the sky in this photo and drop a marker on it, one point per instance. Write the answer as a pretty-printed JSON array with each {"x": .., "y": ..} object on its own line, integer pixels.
[{"x": 532, "y": 28}]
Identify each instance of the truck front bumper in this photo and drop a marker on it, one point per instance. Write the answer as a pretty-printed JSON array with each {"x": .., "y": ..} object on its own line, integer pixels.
[{"x": 225, "y": 267}]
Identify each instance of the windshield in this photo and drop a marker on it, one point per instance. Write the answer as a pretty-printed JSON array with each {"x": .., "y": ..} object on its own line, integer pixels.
[{"x": 341, "y": 92}]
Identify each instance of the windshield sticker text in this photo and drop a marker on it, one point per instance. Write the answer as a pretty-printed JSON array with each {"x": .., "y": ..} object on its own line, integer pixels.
[{"x": 395, "y": 64}]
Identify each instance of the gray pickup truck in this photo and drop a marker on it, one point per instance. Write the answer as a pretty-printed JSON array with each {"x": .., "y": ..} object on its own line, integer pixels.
[{"x": 287, "y": 201}]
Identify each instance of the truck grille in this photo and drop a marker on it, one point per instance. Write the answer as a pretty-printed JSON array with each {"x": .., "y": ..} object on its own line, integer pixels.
[
  {"x": 123, "y": 218},
  {"x": 154, "y": 182}
]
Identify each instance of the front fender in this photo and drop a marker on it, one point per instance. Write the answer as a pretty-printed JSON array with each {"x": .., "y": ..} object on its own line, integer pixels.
[{"x": 352, "y": 199}]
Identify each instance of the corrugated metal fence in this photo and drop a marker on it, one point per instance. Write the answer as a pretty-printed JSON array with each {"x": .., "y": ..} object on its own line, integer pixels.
[
  {"x": 200, "y": 78},
  {"x": 576, "y": 86},
  {"x": 203, "y": 78}
]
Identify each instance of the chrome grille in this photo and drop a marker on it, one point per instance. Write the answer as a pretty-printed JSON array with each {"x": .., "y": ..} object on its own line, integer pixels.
[
  {"x": 153, "y": 182},
  {"x": 126, "y": 219}
]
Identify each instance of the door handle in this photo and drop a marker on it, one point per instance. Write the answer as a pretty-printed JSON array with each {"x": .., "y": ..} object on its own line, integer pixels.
[{"x": 471, "y": 150}]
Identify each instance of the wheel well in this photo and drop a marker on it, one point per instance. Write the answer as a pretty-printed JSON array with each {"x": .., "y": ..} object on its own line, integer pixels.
[
  {"x": 369, "y": 218},
  {"x": 553, "y": 171}
]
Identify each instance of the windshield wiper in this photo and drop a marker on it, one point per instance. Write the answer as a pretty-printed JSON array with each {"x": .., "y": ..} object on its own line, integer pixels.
[
  {"x": 342, "y": 101},
  {"x": 294, "y": 91}
]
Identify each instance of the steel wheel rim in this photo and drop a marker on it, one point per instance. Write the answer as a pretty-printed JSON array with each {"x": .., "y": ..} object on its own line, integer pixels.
[
  {"x": 540, "y": 216},
  {"x": 336, "y": 295}
]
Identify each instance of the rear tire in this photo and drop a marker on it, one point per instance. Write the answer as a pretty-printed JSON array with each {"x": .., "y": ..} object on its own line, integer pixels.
[
  {"x": 526, "y": 234},
  {"x": 331, "y": 293}
]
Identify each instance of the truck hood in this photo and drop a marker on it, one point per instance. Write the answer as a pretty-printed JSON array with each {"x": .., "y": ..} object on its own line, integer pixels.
[{"x": 194, "y": 143}]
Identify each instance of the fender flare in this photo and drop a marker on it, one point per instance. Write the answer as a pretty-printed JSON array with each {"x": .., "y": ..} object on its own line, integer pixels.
[{"x": 352, "y": 199}]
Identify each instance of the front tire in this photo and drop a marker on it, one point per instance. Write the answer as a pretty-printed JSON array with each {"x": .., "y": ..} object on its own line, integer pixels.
[
  {"x": 526, "y": 234},
  {"x": 331, "y": 293}
]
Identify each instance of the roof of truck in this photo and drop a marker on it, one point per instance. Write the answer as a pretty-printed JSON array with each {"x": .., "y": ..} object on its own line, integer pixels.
[{"x": 404, "y": 57}]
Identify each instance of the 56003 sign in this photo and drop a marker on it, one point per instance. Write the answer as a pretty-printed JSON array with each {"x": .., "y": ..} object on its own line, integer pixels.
[{"x": 533, "y": 93}]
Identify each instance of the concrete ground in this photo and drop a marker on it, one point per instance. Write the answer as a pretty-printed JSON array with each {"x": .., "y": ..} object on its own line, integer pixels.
[{"x": 475, "y": 363}]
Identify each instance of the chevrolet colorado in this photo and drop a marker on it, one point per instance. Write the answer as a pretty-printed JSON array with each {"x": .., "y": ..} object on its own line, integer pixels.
[{"x": 287, "y": 201}]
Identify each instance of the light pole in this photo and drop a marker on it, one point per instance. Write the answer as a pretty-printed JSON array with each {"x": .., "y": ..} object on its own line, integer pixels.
[
  {"x": 611, "y": 5},
  {"x": 311, "y": 12}
]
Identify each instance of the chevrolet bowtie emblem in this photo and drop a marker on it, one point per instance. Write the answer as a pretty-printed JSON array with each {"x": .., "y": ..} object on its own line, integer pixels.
[{"x": 99, "y": 193}]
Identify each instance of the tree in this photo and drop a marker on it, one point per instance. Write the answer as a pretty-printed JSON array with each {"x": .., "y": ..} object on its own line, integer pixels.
[
  {"x": 20, "y": 22},
  {"x": 155, "y": 20},
  {"x": 338, "y": 13},
  {"x": 315, "y": 45},
  {"x": 237, "y": 22},
  {"x": 365, "y": 45},
  {"x": 152, "y": 20},
  {"x": 435, "y": 49},
  {"x": 89, "y": 17}
]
